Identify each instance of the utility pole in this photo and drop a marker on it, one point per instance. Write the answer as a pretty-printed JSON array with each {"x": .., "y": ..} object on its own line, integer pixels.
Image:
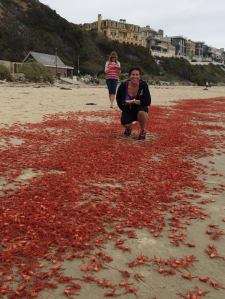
[
  {"x": 56, "y": 62},
  {"x": 78, "y": 65}
]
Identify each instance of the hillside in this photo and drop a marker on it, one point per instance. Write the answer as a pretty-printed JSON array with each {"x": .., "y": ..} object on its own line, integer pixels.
[{"x": 27, "y": 25}]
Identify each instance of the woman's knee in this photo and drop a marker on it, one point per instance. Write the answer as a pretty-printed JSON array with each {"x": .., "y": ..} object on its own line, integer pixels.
[{"x": 142, "y": 114}]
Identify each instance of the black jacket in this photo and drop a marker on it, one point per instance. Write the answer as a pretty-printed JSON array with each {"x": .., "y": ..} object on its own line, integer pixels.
[{"x": 143, "y": 95}]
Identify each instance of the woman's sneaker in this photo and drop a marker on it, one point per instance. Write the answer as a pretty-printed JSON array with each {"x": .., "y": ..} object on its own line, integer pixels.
[
  {"x": 142, "y": 135},
  {"x": 127, "y": 131}
]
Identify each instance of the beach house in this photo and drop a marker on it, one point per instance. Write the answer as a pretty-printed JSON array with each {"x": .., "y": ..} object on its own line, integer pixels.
[{"x": 52, "y": 62}]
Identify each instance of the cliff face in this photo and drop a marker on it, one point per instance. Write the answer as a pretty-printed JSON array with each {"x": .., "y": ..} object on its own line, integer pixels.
[
  {"x": 29, "y": 25},
  {"x": 10, "y": 29},
  {"x": 10, "y": 8}
]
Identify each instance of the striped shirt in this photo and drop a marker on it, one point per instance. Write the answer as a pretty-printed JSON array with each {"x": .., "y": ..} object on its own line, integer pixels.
[{"x": 112, "y": 70}]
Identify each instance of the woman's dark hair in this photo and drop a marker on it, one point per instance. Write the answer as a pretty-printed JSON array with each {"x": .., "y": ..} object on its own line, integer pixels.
[{"x": 134, "y": 69}]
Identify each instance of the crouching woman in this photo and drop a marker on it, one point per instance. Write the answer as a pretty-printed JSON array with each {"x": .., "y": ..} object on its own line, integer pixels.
[{"x": 133, "y": 98}]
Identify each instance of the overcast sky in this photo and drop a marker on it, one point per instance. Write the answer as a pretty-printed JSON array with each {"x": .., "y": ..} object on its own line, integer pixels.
[{"x": 199, "y": 20}]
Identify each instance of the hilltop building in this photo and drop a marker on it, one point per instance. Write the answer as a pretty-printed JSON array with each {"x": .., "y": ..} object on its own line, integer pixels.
[
  {"x": 190, "y": 48},
  {"x": 158, "y": 44},
  {"x": 118, "y": 31},
  {"x": 179, "y": 42},
  {"x": 187, "y": 48},
  {"x": 133, "y": 34},
  {"x": 199, "y": 49},
  {"x": 213, "y": 54}
]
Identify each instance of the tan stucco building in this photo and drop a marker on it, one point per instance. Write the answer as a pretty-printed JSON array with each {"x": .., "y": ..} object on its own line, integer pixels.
[
  {"x": 134, "y": 35},
  {"x": 118, "y": 31}
]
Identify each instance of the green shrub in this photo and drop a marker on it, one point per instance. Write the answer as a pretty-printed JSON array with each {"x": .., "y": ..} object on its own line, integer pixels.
[
  {"x": 198, "y": 74},
  {"x": 124, "y": 76},
  {"x": 35, "y": 72},
  {"x": 4, "y": 73},
  {"x": 91, "y": 68},
  {"x": 207, "y": 73},
  {"x": 177, "y": 66}
]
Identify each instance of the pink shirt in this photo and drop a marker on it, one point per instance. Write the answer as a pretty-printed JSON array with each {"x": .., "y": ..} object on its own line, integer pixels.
[{"x": 112, "y": 70}]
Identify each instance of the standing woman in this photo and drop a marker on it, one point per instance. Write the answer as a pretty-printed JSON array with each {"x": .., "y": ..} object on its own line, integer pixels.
[{"x": 112, "y": 73}]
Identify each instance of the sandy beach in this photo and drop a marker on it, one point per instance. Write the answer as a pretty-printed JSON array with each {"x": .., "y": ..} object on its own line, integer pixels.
[
  {"x": 31, "y": 102},
  {"x": 33, "y": 156}
]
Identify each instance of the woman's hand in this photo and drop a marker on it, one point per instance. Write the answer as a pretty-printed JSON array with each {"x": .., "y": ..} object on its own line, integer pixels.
[
  {"x": 129, "y": 102},
  {"x": 133, "y": 102},
  {"x": 137, "y": 102}
]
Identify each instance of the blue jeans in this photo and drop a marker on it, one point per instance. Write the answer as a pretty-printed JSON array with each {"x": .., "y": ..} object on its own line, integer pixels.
[{"x": 112, "y": 85}]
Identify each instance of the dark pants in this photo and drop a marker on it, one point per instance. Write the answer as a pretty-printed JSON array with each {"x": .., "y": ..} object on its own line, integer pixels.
[
  {"x": 130, "y": 114},
  {"x": 112, "y": 85}
]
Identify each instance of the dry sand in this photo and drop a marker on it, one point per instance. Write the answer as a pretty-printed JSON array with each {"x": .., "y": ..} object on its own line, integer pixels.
[{"x": 30, "y": 104}]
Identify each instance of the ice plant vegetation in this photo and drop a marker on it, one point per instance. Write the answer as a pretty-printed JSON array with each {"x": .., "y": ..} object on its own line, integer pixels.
[{"x": 74, "y": 183}]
